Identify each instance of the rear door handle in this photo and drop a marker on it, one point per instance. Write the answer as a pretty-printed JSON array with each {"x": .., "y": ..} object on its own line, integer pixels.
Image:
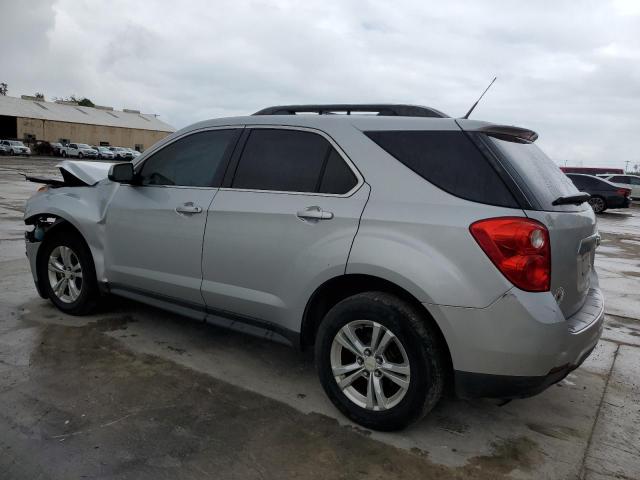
[
  {"x": 188, "y": 208},
  {"x": 314, "y": 213}
]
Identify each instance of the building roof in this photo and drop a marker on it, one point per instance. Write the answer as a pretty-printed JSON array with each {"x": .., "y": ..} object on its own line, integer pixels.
[{"x": 69, "y": 112}]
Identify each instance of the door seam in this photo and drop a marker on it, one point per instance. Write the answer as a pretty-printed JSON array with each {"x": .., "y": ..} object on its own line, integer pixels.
[{"x": 346, "y": 263}]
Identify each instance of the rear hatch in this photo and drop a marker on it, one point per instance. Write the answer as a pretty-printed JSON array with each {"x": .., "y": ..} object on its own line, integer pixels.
[{"x": 572, "y": 227}]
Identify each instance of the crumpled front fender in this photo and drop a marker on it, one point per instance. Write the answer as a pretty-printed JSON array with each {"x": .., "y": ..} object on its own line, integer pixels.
[{"x": 83, "y": 207}]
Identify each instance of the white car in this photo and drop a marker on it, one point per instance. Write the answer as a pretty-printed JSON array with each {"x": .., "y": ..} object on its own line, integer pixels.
[
  {"x": 79, "y": 150},
  {"x": 121, "y": 153},
  {"x": 135, "y": 153},
  {"x": 104, "y": 152},
  {"x": 16, "y": 147},
  {"x": 631, "y": 182}
]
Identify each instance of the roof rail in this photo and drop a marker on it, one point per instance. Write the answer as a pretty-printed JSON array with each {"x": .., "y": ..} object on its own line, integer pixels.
[{"x": 386, "y": 110}]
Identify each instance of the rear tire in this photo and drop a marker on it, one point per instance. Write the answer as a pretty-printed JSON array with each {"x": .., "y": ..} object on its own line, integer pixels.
[
  {"x": 598, "y": 204},
  {"x": 391, "y": 382},
  {"x": 67, "y": 273}
]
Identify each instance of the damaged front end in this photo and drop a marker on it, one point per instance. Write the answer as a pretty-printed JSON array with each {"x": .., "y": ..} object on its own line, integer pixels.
[
  {"x": 58, "y": 208},
  {"x": 33, "y": 239},
  {"x": 76, "y": 174}
]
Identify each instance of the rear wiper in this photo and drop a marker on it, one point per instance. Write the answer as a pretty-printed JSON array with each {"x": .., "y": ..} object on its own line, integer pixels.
[{"x": 576, "y": 199}]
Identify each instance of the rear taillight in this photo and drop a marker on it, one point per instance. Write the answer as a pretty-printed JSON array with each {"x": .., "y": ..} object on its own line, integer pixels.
[
  {"x": 625, "y": 192},
  {"x": 519, "y": 247}
]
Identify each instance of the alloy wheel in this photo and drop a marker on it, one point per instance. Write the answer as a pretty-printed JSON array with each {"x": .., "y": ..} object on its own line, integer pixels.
[
  {"x": 65, "y": 274},
  {"x": 597, "y": 204},
  {"x": 370, "y": 365}
]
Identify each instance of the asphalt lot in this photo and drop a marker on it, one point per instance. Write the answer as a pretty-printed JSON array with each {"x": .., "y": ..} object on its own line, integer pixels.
[{"x": 134, "y": 392}]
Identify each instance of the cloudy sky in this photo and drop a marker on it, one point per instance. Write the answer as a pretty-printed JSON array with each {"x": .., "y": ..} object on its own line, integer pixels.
[{"x": 568, "y": 69}]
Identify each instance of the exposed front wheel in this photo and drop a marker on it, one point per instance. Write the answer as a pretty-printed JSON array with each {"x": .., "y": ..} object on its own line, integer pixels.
[
  {"x": 598, "y": 204},
  {"x": 67, "y": 273},
  {"x": 380, "y": 362}
]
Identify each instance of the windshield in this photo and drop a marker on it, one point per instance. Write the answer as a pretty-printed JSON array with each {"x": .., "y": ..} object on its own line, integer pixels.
[
  {"x": 16, "y": 143},
  {"x": 83, "y": 145},
  {"x": 538, "y": 173}
]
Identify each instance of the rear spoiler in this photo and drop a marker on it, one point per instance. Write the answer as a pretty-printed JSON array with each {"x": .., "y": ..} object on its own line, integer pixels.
[{"x": 506, "y": 132}]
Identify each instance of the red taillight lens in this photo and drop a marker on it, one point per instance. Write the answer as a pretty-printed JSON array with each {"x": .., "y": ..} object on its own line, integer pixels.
[
  {"x": 625, "y": 192},
  {"x": 519, "y": 247}
]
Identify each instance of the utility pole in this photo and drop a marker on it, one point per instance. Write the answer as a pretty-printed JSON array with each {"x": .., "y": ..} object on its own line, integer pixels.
[{"x": 626, "y": 166}]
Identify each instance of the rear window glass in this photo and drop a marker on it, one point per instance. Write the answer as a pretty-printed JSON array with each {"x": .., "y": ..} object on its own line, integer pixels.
[
  {"x": 541, "y": 176},
  {"x": 450, "y": 161}
]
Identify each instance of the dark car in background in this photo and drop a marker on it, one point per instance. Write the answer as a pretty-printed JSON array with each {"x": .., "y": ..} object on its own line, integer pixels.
[
  {"x": 56, "y": 149},
  {"x": 604, "y": 194}
]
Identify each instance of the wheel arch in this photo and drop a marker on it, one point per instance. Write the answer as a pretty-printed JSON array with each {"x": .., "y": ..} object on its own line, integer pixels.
[
  {"x": 55, "y": 224},
  {"x": 338, "y": 288}
]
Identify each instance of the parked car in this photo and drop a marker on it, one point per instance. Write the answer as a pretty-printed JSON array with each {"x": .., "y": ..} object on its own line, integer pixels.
[
  {"x": 56, "y": 149},
  {"x": 79, "y": 150},
  {"x": 410, "y": 253},
  {"x": 4, "y": 149},
  {"x": 16, "y": 147},
  {"x": 134, "y": 153},
  {"x": 604, "y": 194},
  {"x": 627, "y": 181},
  {"x": 104, "y": 153},
  {"x": 42, "y": 147},
  {"x": 121, "y": 153}
]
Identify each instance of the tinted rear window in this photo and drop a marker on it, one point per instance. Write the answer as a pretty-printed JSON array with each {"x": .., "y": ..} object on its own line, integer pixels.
[
  {"x": 538, "y": 173},
  {"x": 292, "y": 161},
  {"x": 450, "y": 161}
]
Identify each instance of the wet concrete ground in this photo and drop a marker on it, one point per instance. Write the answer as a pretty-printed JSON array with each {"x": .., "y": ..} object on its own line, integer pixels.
[{"x": 134, "y": 392}]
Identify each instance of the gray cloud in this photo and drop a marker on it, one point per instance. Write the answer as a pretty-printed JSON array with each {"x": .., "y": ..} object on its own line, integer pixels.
[{"x": 570, "y": 70}]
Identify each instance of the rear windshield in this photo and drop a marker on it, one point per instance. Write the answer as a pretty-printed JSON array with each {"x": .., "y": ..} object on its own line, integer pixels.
[
  {"x": 450, "y": 161},
  {"x": 538, "y": 173}
]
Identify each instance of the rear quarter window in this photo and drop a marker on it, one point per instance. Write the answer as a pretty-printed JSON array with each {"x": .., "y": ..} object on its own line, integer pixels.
[{"x": 450, "y": 161}]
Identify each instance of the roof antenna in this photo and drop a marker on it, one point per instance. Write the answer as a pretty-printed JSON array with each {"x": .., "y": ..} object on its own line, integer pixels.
[{"x": 477, "y": 101}]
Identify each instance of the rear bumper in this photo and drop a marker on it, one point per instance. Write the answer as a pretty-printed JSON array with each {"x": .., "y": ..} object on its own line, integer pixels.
[
  {"x": 479, "y": 385},
  {"x": 520, "y": 344},
  {"x": 618, "y": 202}
]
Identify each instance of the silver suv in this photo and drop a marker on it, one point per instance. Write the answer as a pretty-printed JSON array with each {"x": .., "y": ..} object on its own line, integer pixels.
[{"x": 414, "y": 252}]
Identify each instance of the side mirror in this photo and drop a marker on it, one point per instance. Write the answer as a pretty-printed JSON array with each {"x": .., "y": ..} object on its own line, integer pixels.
[{"x": 122, "y": 173}]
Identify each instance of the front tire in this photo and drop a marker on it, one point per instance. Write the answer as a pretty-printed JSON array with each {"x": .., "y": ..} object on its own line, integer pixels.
[
  {"x": 380, "y": 361},
  {"x": 67, "y": 273}
]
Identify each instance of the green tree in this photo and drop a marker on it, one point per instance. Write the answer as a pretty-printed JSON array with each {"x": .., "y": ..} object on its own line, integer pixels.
[
  {"x": 39, "y": 96},
  {"x": 3, "y": 88},
  {"x": 85, "y": 102},
  {"x": 82, "y": 101}
]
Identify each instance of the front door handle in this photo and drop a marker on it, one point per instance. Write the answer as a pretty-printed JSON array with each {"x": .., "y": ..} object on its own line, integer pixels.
[
  {"x": 188, "y": 208},
  {"x": 314, "y": 213}
]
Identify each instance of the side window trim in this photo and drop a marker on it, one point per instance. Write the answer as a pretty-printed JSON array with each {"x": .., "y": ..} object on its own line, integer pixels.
[
  {"x": 323, "y": 168},
  {"x": 224, "y": 163},
  {"x": 226, "y": 185}
]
